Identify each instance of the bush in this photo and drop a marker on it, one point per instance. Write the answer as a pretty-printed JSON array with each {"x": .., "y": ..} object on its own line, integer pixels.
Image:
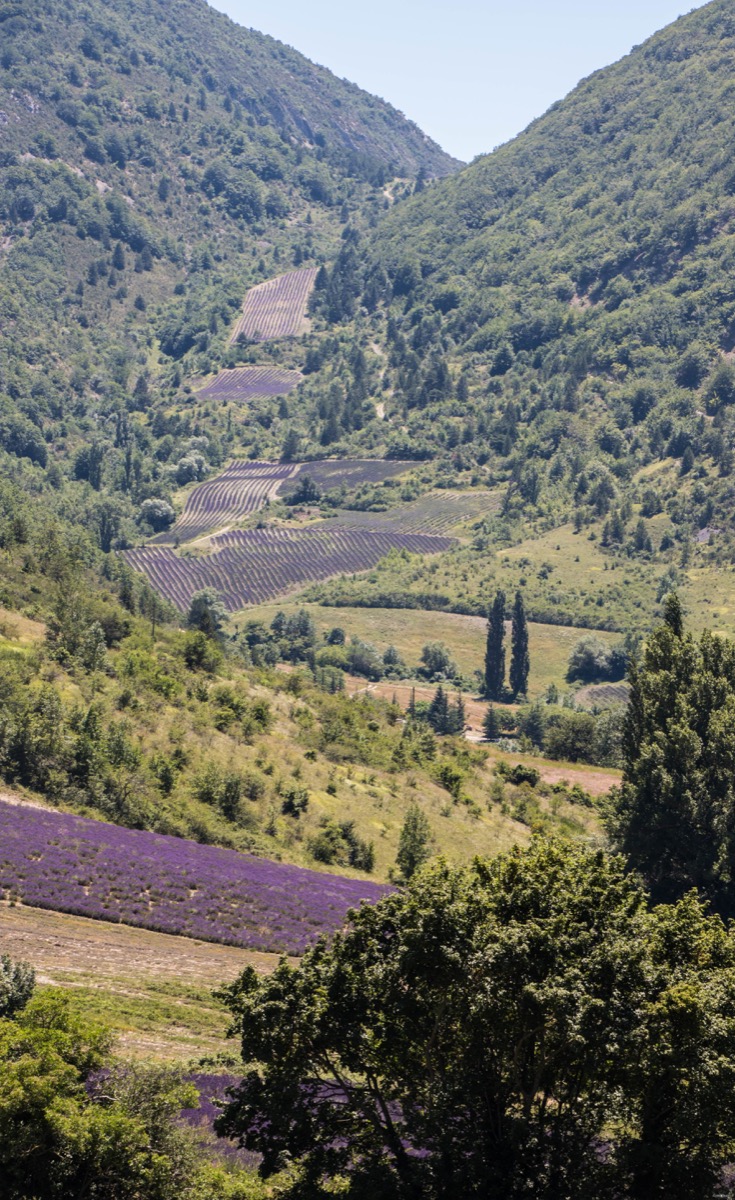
[{"x": 592, "y": 661}]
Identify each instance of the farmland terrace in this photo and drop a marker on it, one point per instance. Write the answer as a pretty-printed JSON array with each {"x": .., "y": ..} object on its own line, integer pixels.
[
  {"x": 241, "y": 384},
  {"x": 243, "y": 488},
  {"x": 277, "y": 308},
  {"x": 250, "y": 566}
]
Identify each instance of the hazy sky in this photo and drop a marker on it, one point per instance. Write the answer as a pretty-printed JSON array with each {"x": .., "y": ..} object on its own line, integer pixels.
[{"x": 471, "y": 73}]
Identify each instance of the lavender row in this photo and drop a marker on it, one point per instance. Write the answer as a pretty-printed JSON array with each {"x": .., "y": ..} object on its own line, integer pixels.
[
  {"x": 72, "y": 864},
  {"x": 241, "y": 489}
]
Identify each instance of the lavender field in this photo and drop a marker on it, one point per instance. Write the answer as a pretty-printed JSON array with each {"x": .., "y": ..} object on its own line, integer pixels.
[
  {"x": 75, "y": 865},
  {"x": 249, "y": 383},
  {"x": 331, "y": 473},
  {"x": 250, "y": 566},
  {"x": 438, "y": 513},
  {"x": 241, "y": 489},
  {"x": 276, "y": 308}
]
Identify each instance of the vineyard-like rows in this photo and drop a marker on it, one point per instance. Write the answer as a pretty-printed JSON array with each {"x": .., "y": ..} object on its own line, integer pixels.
[
  {"x": 242, "y": 488},
  {"x": 255, "y": 565},
  {"x": 438, "y": 513},
  {"x": 276, "y": 308},
  {"x": 72, "y": 864},
  {"x": 329, "y": 474},
  {"x": 249, "y": 383}
]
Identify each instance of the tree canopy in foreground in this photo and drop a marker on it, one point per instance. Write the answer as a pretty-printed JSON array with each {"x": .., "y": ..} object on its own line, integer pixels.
[{"x": 521, "y": 1027}]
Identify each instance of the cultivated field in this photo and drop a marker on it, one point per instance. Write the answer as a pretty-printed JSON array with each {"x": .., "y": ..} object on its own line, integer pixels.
[
  {"x": 276, "y": 308},
  {"x": 249, "y": 383},
  {"x": 71, "y": 864},
  {"x": 241, "y": 489},
  {"x": 250, "y": 566},
  {"x": 152, "y": 989},
  {"x": 332, "y": 473},
  {"x": 436, "y": 513}
]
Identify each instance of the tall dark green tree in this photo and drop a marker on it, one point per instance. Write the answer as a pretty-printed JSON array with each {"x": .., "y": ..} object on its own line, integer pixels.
[
  {"x": 495, "y": 649},
  {"x": 491, "y": 725},
  {"x": 414, "y": 843},
  {"x": 520, "y": 663},
  {"x": 438, "y": 714},
  {"x": 675, "y": 813}
]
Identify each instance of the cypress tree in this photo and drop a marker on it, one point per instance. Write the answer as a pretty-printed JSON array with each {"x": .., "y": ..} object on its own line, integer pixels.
[
  {"x": 495, "y": 651},
  {"x": 520, "y": 663}
]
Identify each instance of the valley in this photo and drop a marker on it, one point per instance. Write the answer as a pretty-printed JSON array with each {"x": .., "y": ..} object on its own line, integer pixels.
[{"x": 367, "y": 626}]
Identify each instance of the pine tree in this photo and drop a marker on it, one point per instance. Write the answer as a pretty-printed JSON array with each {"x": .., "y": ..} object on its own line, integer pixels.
[
  {"x": 520, "y": 664},
  {"x": 534, "y": 726},
  {"x": 491, "y": 725},
  {"x": 495, "y": 652},
  {"x": 457, "y": 716},
  {"x": 412, "y": 703},
  {"x": 438, "y": 714}
]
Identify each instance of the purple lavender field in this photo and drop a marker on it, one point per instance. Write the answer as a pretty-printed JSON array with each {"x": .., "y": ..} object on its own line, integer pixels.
[{"x": 76, "y": 865}]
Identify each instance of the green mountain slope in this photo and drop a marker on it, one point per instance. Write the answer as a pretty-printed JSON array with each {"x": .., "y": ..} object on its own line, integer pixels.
[
  {"x": 561, "y": 314},
  {"x": 155, "y": 162}
]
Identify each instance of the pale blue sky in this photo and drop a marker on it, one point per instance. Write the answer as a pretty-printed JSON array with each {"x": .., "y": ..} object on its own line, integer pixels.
[{"x": 471, "y": 74}]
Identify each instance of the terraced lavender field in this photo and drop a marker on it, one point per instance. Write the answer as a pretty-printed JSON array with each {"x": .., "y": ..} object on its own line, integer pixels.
[
  {"x": 276, "y": 308},
  {"x": 71, "y": 864},
  {"x": 439, "y": 513},
  {"x": 241, "y": 489},
  {"x": 331, "y": 473},
  {"x": 244, "y": 487},
  {"x": 241, "y": 384},
  {"x": 254, "y": 565}
]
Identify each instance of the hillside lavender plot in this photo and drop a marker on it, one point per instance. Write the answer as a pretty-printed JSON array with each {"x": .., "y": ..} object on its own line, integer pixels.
[
  {"x": 250, "y": 566},
  {"x": 241, "y": 489},
  {"x": 76, "y": 865},
  {"x": 276, "y": 308},
  {"x": 241, "y": 384}
]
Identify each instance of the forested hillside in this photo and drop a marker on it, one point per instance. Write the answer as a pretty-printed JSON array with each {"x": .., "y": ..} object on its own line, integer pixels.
[
  {"x": 560, "y": 316},
  {"x": 155, "y": 161}
]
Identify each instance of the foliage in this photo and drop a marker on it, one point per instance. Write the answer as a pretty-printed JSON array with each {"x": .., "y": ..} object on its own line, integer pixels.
[
  {"x": 414, "y": 846},
  {"x": 17, "y": 982},
  {"x": 592, "y": 660},
  {"x": 495, "y": 653},
  {"x": 520, "y": 664},
  {"x": 560, "y": 1015},
  {"x": 673, "y": 815},
  {"x": 76, "y": 1123}
]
